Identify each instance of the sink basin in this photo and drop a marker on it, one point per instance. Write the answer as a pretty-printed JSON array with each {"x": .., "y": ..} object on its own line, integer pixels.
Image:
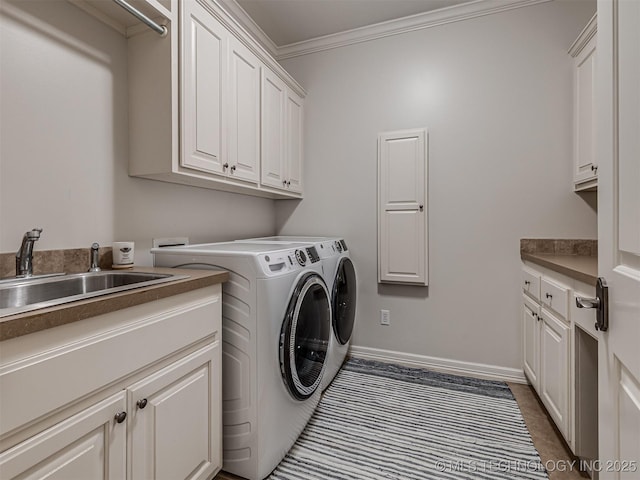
[{"x": 23, "y": 295}]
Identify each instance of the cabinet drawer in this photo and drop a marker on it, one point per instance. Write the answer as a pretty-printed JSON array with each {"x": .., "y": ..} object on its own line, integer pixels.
[
  {"x": 531, "y": 283},
  {"x": 555, "y": 296}
]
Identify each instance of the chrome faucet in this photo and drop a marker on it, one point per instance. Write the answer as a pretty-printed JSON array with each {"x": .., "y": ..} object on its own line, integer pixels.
[
  {"x": 94, "y": 258},
  {"x": 24, "y": 257}
]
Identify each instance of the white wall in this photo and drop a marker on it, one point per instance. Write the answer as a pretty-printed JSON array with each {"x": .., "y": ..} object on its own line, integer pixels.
[
  {"x": 64, "y": 142},
  {"x": 495, "y": 94}
]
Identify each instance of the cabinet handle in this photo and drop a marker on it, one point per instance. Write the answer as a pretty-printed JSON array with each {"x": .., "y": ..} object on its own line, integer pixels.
[
  {"x": 225, "y": 166},
  {"x": 142, "y": 403},
  {"x": 288, "y": 183},
  {"x": 233, "y": 168},
  {"x": 548, "y": 295},
  {"x": 121, "y": 417},
  {"x": 284, "y": 183},
  {"x": 527, "y": 282}
]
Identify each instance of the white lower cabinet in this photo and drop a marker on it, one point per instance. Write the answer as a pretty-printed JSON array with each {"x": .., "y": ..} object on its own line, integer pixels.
[
  {"x": 137, "y": 395},
  {"x": 88, "y": 445},
  {"x": 554, "y": 370},
  {"x": 173, "y": 413},
  {"x": 531, "y": 344},
  {"x": 547, "y": 346}
]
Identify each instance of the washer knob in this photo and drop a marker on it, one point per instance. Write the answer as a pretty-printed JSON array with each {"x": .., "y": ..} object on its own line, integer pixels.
[
  {"x": 338, "y": 246},
  {"x": 301, "y": 258}
]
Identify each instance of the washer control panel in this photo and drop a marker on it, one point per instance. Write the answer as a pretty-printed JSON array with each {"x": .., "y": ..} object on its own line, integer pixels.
[{"x": 286, "y": 261}]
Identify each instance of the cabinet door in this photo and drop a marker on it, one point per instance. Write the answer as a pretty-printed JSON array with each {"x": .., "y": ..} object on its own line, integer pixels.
[
  {"x": 175, "y": 422},
  {"x": 585, "y": 167},
  {"x": 531, "y": 344},
  {"x": 203, "y": 55},
  {"x": 402, "y": 222},
  {"x": 554, "y": 370},
  {"x": 88, "y": 445},
  {"x": 294, "y": 132},
  {"x": 244, "y": 112},
  {"x": 273, "y": 111}
]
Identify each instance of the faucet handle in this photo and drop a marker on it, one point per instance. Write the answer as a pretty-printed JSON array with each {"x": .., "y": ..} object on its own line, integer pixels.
[{"x": 34, "y": 234}]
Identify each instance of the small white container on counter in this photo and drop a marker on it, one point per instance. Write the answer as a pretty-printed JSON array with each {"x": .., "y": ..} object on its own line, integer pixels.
[{"x": 123, "y": 254}]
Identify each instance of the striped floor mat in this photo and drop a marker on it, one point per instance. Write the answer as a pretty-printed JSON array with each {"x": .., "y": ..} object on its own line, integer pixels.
[{"x": 381, "y": 421}]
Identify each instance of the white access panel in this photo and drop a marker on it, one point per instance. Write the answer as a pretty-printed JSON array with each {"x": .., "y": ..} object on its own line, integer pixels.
[{"x": 402, "y": 207}]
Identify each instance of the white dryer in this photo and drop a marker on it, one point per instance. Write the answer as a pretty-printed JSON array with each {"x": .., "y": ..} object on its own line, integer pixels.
[
  {"x": 340, "y": 276},
  {"x": 276, "y": 329}
]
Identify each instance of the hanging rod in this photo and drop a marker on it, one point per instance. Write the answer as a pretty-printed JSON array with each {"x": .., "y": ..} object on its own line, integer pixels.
[{"x": 160, "y": 29}]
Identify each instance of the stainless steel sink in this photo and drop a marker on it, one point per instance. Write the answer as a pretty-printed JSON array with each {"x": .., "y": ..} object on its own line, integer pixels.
[{"x": 26, "y": 294}]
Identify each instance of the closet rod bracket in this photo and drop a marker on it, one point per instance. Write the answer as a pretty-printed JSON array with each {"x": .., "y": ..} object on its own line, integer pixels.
[{"x": 160, "y": 29}]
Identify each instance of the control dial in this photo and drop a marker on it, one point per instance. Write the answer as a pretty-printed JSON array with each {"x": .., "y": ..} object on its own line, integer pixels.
[
  {"x": 338, "y": 246},
  {"x": 301, "y": 258}
]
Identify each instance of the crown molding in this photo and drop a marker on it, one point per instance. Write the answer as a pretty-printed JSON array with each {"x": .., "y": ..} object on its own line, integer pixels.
[
  {"x": 455, "y": 13},
  {"x": 242, "y": 17},
  {"x": 585, "y": 35}
]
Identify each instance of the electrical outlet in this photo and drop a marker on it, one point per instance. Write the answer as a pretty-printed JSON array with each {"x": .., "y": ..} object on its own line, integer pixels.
[{"x": 385, "y": 317}]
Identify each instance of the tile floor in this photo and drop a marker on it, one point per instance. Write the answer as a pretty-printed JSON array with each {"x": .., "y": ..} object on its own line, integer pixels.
[{"x": 546, "y": 439}]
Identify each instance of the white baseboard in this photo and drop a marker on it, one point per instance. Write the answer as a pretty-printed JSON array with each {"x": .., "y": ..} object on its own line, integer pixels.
[{"x": 455, "y": 367}]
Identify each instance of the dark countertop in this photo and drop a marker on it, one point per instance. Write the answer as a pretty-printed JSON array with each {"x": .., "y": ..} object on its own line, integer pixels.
[
  {"x": 36, "y": 320},
  {"x": 580, "y": 267}
]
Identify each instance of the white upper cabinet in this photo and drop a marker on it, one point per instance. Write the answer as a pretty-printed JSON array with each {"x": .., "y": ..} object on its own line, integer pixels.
[
  {"x": 282, "y": 116},
  {"x": 243, "y": 133},
  {"x": 204, "y": 49},
  {"x": 274, "y": 93},
  {"x": 402, "y": 217},
  {"x": 585, "y": 166},
  {"x": 294, "y": 132},
  {"x": 209, "y": 107}
]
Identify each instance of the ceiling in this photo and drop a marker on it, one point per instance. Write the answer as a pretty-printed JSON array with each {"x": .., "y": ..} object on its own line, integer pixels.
[{"x": 290, "y": 21}]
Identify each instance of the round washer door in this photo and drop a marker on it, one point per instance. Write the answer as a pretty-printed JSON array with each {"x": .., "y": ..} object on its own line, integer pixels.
[
  {"x": 304, "y": 337},
  {"x": 344, "y": 300}
]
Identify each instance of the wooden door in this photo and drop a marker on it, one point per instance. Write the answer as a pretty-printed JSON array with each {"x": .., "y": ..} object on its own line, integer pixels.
[
  {"x": 176, "y": 426},
  {"x": 203, "y": 53},
  {"x": 402, "y": 219},
  {"x": 244, "y": 112},
  {"x": 619, "y": 236}
]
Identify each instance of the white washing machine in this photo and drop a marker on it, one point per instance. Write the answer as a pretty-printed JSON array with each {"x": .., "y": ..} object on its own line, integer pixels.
[
  {"x": 340, "y": 276},
  {"x": 276, "y": 329}
]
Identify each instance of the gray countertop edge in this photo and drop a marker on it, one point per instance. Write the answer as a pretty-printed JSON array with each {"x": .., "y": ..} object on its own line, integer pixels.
[{"x": 570, "y": 265}]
